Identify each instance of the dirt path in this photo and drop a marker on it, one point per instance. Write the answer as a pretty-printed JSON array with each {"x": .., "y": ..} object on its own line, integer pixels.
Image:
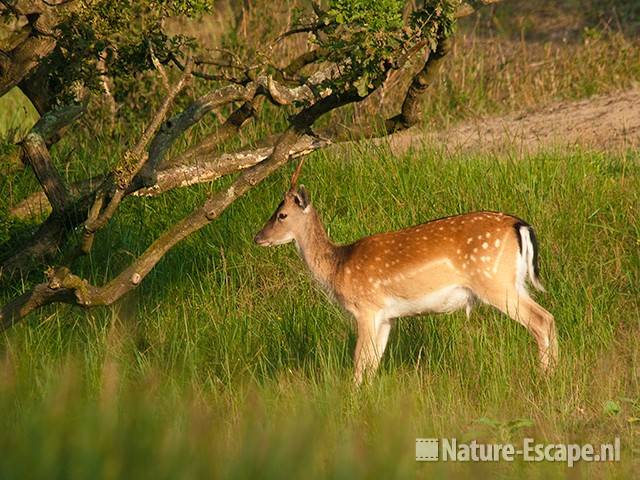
[{"x": 609, "y": 122}]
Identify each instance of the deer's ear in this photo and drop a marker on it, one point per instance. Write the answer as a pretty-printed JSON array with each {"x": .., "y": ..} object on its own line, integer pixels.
[{"x": 301, "y": 197}]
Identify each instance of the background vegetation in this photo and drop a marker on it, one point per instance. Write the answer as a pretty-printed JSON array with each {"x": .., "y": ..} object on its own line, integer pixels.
[{"x": 229, "y": 362}]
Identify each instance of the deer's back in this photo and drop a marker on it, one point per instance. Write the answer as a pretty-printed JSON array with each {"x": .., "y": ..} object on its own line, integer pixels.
[{"x": 462, "y": 250}]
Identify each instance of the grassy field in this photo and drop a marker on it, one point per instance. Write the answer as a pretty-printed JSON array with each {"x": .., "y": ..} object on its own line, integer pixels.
[{"x": 229, "y": 362}]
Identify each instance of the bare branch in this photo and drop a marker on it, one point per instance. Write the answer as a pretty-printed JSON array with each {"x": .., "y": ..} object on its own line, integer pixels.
[
  {"x": 211, "y": 142},
  {"x": 313, "y": 27},
  {"x": 158, "y": 66},
  {"x": 92, "y": 217},
  {"x": 186, "y": 174},
  {"x": 131, "y": 164},
  {"x": 207, "y": 171},
  {"x": 207, "y": 76},
  {"x": 37, "y": 155},
  {"x": 301, "y": 61},
  {"x": 179, "y": 123}
]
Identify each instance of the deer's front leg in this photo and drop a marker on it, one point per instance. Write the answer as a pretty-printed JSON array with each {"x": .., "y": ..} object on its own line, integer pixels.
[{"x": 368, "y": 352}]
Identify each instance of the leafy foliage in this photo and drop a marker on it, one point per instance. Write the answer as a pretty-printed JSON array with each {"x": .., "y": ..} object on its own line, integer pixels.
[
  {"x": 368, "y": 38},
  {"x": 121, "y": 34}
]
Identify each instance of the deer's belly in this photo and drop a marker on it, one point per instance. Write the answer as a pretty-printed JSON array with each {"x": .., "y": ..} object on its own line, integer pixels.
[{"x": 447, "y": 299}]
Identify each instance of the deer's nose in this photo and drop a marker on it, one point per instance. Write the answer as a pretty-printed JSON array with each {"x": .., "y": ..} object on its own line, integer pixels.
[{"x": 259, "y": 240}]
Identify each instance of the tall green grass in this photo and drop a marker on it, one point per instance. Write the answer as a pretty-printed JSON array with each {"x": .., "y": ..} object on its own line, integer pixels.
[{"x": 228, "y": 361}]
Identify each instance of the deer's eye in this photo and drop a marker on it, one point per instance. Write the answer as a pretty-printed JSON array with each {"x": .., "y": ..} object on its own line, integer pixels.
[{"x": 282, "y": 216}]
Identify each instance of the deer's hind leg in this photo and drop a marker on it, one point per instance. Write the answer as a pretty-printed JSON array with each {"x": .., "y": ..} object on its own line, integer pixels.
[{"x": 524, "y": 310}]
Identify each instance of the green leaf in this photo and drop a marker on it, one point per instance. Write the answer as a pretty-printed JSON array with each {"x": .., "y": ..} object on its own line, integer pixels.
[
  {"x": 611, "y": 407},
  {"x": 519, "y": 423},
  {"x": 361, "y": 85}
]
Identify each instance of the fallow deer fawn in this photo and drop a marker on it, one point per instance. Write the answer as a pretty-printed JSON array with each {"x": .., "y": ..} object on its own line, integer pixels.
[{"x": 439, "y": 266}]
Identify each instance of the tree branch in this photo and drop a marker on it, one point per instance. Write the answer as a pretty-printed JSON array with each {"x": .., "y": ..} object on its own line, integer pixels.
[
  {"x": 181, "y": 174},
  {"x": 207, "y": 145},
  {"x": 63, "y": 286},
  {"x": 411, "y": 111},
  {"x": 208, "y": 76},
  {"x": 37, "y": 155},
  {"x": 179, "y": 123},
  {"x": 191, "y": 174},
  {"x": 133, "y": 160}
]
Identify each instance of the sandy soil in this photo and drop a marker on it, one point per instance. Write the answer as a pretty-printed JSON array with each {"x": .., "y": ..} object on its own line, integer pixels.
[{"x": 609, "y": 122}]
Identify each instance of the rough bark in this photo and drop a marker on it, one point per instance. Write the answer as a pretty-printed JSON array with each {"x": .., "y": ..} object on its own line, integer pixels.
[
  {"x": 36, "y": 154},
  {"x": 25, "y": 58},
  {"x": 411, "y": 110},
  {"x": 36, "y": 89}
]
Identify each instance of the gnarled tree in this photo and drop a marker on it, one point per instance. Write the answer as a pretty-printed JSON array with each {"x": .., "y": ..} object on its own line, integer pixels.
[{"x": 64, "y": 54}]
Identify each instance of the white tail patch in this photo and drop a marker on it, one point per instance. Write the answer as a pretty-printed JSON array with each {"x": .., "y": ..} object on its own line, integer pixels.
[{"x": 525, "y": 262}]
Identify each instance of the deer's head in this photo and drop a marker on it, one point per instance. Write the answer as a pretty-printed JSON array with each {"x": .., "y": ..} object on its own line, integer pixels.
[{"x": 289, "y": 221}]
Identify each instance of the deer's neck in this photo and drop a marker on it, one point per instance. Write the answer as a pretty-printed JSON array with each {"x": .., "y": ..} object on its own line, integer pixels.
[{"x": 318, "y": 251}]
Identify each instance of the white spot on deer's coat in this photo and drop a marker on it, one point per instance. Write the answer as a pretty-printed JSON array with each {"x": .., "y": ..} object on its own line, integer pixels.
[
  {"x": 485, "y": 245},
  {"x": 497, "y": 243}
]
